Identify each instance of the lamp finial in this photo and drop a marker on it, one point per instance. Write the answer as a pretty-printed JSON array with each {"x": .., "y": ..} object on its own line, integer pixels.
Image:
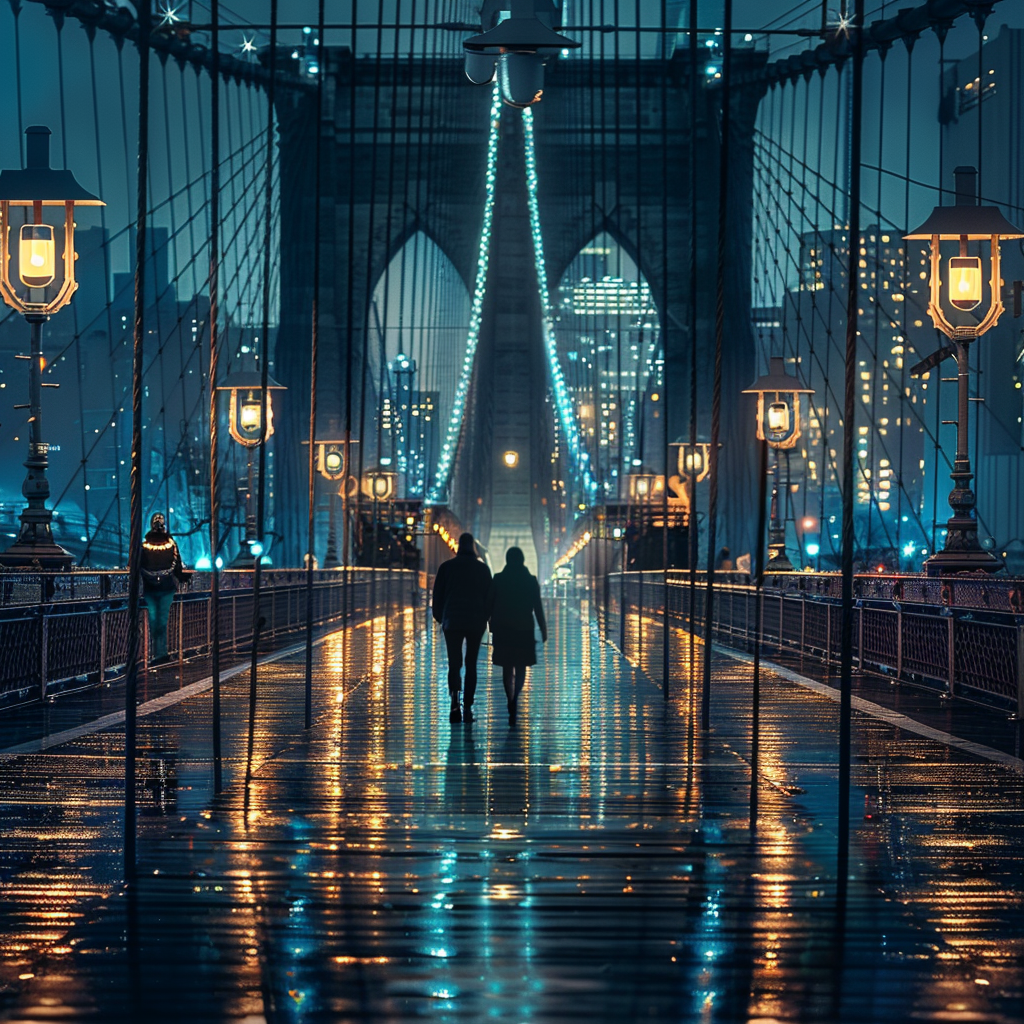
[
  {"x": 37, "y": 146},
  {"x": 966, "y": 185}
]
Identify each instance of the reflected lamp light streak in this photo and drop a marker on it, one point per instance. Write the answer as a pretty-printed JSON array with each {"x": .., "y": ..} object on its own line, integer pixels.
[
  {"x": 567, "y": 418},
  {"x": 451, "y": 441}
]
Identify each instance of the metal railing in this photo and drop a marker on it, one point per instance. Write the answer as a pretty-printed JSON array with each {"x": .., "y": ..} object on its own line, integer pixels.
[
  {"x": 73, "y": 633},
  {"x": 963, "y": 637}
]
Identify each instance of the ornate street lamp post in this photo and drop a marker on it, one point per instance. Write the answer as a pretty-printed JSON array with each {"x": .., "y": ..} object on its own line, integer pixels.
[
  {"x": 331, "y": 464},
  {"x": 778, "y": 424},
  {"x": 246, "y": 425},
  {"x": 47, "y": 287},
  {"x": 378, "y": 486},
  {"x": 963, "y": 223},
  {"x": 693, "y": 463}
]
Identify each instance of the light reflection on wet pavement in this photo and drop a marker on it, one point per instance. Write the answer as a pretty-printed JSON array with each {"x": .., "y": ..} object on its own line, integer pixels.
[{"x": 594, "y": 864}]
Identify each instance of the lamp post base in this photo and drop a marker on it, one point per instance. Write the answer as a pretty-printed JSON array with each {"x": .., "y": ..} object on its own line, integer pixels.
[
  {"x": 945, "y": 563},
  {"x": 778, "y": 560},
  {"x": 35, "y": 548}
]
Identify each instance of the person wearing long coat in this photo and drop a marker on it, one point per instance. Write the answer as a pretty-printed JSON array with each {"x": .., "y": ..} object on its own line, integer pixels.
[
  {"x": 461, "y": 589},
  {"x": 513, "y": 604}
]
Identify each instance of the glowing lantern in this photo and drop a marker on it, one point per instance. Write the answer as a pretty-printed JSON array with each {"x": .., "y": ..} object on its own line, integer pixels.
[
  {"x": 37, "y": 255},
  {"x": 35, "y": 187},
  {"x": 379, "y": 484},
  {"x": 778, "y": 405},
  {"x": 245, "y": 415},
  {"x": 963, "y": 223},
  {"x": 965, "y": 281}
]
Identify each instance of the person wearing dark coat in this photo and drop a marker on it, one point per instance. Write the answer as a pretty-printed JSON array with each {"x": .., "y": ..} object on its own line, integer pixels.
[
  {"x": 460, "y": 606},
  {"x": 162, "y": 571},
  {"x": 513, "y": 604}
]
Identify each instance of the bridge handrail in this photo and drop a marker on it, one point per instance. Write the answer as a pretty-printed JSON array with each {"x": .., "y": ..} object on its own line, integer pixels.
[
  {"x": 21, "y": 588},
  {"x": 57, "y": 646},
  {"x": 963, "y": 637}
]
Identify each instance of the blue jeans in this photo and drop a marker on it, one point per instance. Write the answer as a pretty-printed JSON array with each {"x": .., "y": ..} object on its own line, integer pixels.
[{"x": 158, "y": 606}]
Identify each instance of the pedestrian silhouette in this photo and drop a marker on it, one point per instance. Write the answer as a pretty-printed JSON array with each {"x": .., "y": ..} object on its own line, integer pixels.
[
  {"x": 513, "y": 603},
  {"x": 162, "y": 571},
  {"x": 460, "y": 606}
]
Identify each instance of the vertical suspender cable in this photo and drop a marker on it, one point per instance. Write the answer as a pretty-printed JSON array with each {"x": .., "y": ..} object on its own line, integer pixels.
[
  {"x": 106, "y": 295},
  {"x": 135, "y": 506},
  {"x": 84, "y": 463},
  {"x": 938, "y": 376},
  {"x": 878, "y": 267},
  {"x": 716, "y": 387},
  {"x": 755, "y": 700},
  {"x": 905, "y": 317},
  {"x": 314, "y": 356},
  {"x": 691, "y": 561},
  {"x": 823, "y": 417},
  {"x": 349, "y": 294},
  {"x": 849, "y": 405},
  {"x": 979, "y": 17},
  {"x": 264, "y": 353},
  {"x": 214, "y": 352},
  {"x": 666, "y": 640}
]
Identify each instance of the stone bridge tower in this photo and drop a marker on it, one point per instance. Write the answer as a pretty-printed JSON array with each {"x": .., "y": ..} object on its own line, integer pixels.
[{"x": 386, "y": 175}]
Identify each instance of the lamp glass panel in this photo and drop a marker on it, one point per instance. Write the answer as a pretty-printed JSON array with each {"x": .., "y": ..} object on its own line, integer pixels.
[
  {"x": 965, "y": 281},
  {"x": 37, "y": 255},
  {"x": 333, "y": 461},
  {"x": 250, "y": 414},
  {"x": 778, "y": 420}
]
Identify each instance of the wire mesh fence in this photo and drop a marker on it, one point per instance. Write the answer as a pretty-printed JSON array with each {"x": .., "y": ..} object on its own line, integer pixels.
[
  {"x": 77, "y": 636},
  {"x": 962, "y": 638}
]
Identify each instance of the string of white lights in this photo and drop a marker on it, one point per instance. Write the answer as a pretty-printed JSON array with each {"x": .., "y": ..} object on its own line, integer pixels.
[
  {"x": 579, "y": 458},
  {"x": 451, "y": 441}
]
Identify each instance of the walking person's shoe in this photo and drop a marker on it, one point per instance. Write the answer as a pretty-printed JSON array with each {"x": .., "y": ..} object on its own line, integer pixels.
[
  {"x": 467, "y": 714},
  {"x": 455, "y": 715}
]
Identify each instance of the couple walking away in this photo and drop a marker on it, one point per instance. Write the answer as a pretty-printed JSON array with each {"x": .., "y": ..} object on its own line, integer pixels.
[{"x": 465, "y": 599}]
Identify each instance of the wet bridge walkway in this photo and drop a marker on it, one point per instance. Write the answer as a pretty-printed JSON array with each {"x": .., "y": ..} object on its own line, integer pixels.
[{"x": 594, "y": 863}]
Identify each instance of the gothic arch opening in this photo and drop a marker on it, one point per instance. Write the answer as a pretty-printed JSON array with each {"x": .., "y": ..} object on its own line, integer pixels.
[
  {"x": 608, "y": 335},
  {"x": 418, "y": 326}
]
